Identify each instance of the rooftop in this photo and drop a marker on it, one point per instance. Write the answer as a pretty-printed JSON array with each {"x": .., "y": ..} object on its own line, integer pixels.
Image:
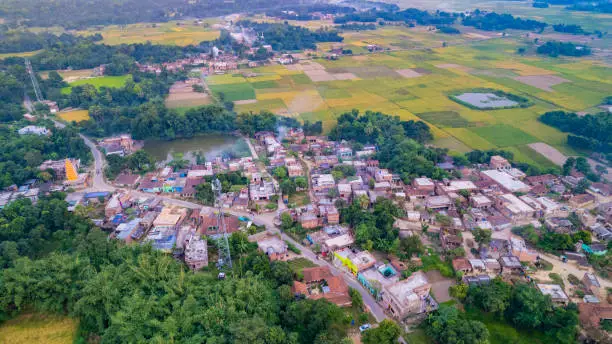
[
  {"x": 554, "y": 290},
  {"x": 507, "y": 181}
]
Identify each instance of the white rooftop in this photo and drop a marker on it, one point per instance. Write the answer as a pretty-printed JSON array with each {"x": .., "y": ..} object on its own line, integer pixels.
[
  {"x": 507, "y": 181},
  {"x": 554, "y": 290},
  {"x": 515, "y": 205},
  {"x": 423, "y": 182}
]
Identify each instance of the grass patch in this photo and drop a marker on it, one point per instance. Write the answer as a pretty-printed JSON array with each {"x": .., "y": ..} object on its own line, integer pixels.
[
  {"x": 76, "y": 115},
  {"x": 299, "y": 199},
  {"x": 418, "y": 336},
  {"x": 98, "y": 82},
  {"x": 234, "y": 92},
  {"x": 503, "y": 135},
  {"x": 445, "y": 119},
  {"x": 264, "y": 84},
  {"x": 299, "y": 264},
  {"x": 301, "y": 79},
  {"x": 39, "y": 328},
  {"x": 500, "y": 332}
]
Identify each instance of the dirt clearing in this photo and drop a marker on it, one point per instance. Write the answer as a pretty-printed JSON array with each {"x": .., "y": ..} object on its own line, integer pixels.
[
  {"x": 550, "y": 152},
  {"x": 543, "y": 82},
  {"x": 408, "y": 73},
  {"x": 182, "y": 95}
]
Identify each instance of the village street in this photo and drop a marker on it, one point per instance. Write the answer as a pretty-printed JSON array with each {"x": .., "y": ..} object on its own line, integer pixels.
[{"x": 266, "y": 219}]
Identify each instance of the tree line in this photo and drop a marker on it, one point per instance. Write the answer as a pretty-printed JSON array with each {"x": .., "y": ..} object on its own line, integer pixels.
[
  {"x": 407, "y": 15},
  {"x": 497, "y": 22},
  {"x": 591, "y": 132},
  {"x": 400, "y": 143},
  {"x": 556, "y": 48},
  {"x": 285, "y": 37}
]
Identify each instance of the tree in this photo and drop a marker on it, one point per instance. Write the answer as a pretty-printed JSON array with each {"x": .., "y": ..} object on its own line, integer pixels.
[
  {"x": 301, "y": 182},
  {"x": 482, "y": 236},
  {"x": 528, "y": 307},
  {"x": 205, "y": 194},
  {"x": 459, "y": 291},
  {"x": 446, "y": 326},
  {"x": 280, "y": 172},
  {"x": 411, "y": 246},
  {"x": 387, "y": 332},
  {"x": 286, "y": 221},
  {"x": 568, "y": 165},
  {"x": 356, "y": 298}
]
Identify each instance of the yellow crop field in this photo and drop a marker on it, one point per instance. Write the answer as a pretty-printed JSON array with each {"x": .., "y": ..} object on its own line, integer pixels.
[
  {"x": 225, "y": 79},
  {"x": 38, "y": 328},
  {"x": 75, "y": 115},
  {"x": 172, "y": 33},
  {"x": 469, "y": 138},
  {"x": 24, "y": 54}
]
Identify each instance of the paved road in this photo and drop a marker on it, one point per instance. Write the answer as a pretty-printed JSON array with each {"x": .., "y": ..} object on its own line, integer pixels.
[{"x": 267, "y": 220}]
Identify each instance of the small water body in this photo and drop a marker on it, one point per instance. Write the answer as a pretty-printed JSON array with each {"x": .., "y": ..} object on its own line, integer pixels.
[{"x": 208, "y": 145}]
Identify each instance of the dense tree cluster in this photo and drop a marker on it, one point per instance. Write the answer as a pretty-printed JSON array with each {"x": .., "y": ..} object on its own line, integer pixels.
[
  {"x": 526, "y": 308},
  {"x": 374, "y": 229},
  {"x": 14, "y": 41},
  {"x": 20, "y": 155},
  {"x": 447, "y": 325},
  {"x": 398, "y": 141},
  {"x": 484, "y": 157},
  {"x": 137, "y": 163},
  {"x": 249, "y": 123},
  {"x": 12, "y": 84},
  {"x": 357, "y": 27},
  {"x": 55, "y": 261},
  {"x": 569, "y": 28},
  {"x": 590, "y": 131},
  {"x": 408, "y": 15},
  {"x": 285, "y": 37},
  {"x": 555, "y": 48},
  {"x": 551, "y": 241},
  {"x": 497, "y": 22}
]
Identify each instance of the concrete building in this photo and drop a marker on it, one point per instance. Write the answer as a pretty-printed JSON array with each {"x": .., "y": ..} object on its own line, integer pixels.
[
  {"x": 34, "y": 130},
  {"x": 555, "y": 291},
  {"x": 196, "y": 252},
  {"x": 409, "y": 296},
  {"x": 273, "y": 247},
  {"x": 513, "y": 208},
  {"x": 262, "y": 191},
  {"x": 505, "y": 181},
  {"x": 499, "y": 163}
]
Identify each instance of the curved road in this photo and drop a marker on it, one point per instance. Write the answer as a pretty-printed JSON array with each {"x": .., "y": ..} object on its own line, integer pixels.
[{"x": 99, "y": 184}]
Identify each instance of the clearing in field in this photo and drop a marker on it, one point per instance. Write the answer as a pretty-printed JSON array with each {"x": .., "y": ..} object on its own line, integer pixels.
[
  {"x": 408, "y": 73},
  {"x": 38, "y": 328},
  {"x": 74, "y": 115},
  {"x": 101, "y": 81},
  {"x": 182, "y": 95},
  {"x": 543, "y": 82},
  {"x": 71, "y": 75},
  {"x": 503, "y": 135},
  {"x": 550, "y": 152}
]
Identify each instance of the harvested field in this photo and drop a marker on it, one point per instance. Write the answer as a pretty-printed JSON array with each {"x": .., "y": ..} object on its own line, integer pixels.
[
  {"x": 454, "y": 66},
  {"x": 74, "y": 115},
  {"x": 182, "y": 95},
  {"x": 408, "y": 73},
  {"x": 39, "y": 328},
  {"x": 550, "y": 152},
  {"x": 543, "y": 82},
  {"x": 245, "y": 102},
  {"x": 318, "y": 75}
]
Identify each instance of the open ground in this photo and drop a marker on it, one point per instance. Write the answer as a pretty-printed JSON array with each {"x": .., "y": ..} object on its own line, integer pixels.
[{"x": 38, "y": 328}]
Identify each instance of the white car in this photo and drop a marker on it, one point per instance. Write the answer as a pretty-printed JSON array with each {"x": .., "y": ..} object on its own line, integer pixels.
[{"x": 364, "y": 327}]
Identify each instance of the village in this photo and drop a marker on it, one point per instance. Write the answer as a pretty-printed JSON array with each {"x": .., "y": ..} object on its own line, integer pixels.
[{"x": 165, "y": 209}]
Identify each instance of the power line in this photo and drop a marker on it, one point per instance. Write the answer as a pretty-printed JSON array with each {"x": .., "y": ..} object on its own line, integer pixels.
[{"x": 37, "y": 91}]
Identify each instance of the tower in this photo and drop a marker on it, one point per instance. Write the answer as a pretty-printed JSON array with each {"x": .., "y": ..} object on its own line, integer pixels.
[{"x": 225, "y": 257}]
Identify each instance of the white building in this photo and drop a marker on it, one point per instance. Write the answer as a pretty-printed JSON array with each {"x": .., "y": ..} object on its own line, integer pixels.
[
  {"x": 34, "y": 130},
  {"x": 506, "y": 181}
]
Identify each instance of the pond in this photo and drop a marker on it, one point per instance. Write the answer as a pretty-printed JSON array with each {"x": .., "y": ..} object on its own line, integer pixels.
[
  {"x": 209, "y": 146},
  {"x": 486, "y": 100}
]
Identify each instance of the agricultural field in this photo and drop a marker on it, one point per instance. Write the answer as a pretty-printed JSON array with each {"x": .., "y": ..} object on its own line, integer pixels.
[
  {"x": 182, "y": 96},
  {"x": 101, "y": 81},
  {"x": 38, "y": 328},
  {"x": 24, "y": 54},
  {"x": 74, "y": 115},
  {"x": 70, "y": 75},
  {"x": 417, "y": 84},
  {"x": 172, "y": 33}
]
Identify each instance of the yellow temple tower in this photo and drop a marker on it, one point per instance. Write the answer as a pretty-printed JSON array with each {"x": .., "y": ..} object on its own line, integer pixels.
[{"x": 71, "y": 172}]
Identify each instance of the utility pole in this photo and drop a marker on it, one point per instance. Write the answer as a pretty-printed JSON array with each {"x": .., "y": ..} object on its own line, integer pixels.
[
  {"x": 37, "y": 91},
  {"x": 225, "y": 257}
]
